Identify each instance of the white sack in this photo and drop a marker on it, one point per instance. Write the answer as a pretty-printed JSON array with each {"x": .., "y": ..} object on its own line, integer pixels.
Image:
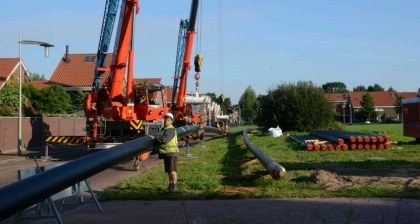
[{"x": 275, "y": 132}]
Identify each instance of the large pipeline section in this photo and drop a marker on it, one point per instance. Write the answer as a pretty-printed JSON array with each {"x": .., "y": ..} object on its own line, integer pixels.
[
  {"x": 274, "y": 169},
  {"x": 26, "y": 192},
  {"x": 212, "y": 129}
]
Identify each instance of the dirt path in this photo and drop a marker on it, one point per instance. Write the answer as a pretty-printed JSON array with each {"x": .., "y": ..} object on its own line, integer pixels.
[{"x": 351, "y": 178}]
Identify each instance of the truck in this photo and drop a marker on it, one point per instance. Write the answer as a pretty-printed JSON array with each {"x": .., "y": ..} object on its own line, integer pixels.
[{"x": 411, "y": 117}]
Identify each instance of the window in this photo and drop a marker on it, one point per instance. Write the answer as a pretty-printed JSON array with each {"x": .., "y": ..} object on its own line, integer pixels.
[{"x": 90, "y": 58}]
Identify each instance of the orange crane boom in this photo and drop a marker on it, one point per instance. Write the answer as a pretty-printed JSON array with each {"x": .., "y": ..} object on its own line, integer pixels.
[{"x": 115, "y": 116}]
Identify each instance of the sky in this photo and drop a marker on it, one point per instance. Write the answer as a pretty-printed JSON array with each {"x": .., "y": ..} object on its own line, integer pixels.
[{"x": 244, "y": 43}]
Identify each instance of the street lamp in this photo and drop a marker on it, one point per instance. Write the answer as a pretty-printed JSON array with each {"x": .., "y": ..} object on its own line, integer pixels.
[
  {"x": 344, "y": 113},
  {"x": 46, "y": 54},
  {"x": 351, "y": 114}
]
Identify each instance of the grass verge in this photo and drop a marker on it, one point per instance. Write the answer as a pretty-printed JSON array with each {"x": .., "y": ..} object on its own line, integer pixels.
[{"x": 226, "y": 169}]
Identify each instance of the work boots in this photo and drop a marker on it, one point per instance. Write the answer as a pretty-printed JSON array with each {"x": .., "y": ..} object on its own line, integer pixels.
[{"x": 172, "y": 188}]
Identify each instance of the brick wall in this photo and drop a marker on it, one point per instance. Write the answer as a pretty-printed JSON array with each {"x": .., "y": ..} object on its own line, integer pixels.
[{"x": 34, "y": 130}]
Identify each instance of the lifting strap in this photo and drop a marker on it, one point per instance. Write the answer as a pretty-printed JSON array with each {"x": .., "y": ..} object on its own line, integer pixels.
[{"x": 198, "y": 62}]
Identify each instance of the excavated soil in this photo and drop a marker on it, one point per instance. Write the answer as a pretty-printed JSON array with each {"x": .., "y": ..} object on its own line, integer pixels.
[{"x": 353, "y": 178}]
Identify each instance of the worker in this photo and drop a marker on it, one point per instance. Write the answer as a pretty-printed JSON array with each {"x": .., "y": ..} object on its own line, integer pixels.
[{"x": 167, "y": 142}]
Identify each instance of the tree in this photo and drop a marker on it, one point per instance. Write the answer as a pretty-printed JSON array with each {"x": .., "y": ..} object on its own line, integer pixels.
[
  {"x": 390, "y": 89},
  {"x": 55, "y": 100},
  {"x": 33, "y": 98},
  {"x": 225, "y": 105},
  {"x": 335, "y": 87},
  {"x": 9, "y": 100},
  {"x": 295, "y": 107},
  {"x": 77, "y": 99},
  {"x": 360, "y": 88},
  {"x": 398, "y": 105},
  {"x": 212, "y": 96},
  {"x": 36, "y": 76},
  {"x": 368, "y": 106},
  {"x": 248, "y": 104},
  {"x": 375, "y": 88}
]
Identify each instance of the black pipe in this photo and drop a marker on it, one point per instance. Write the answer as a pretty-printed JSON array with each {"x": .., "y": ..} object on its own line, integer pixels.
[
  {"x": 26, "y": 192},
  {"x": 274, "y": 169},
  {"x": 212, "y": 129},
  {"x": 324, "y": 135},
  {"x": 301, "y": 140}
]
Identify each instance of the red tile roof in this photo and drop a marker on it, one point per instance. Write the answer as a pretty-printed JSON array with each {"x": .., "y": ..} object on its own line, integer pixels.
[
  {"x": 79, "y": 73},
  {"x": 76, "y": 72},
  {"x": 407, "y": 95},
  {"x": 381, "y": 99},
  {"x": 40, "y": 84},
  {"x": 7, "y": 67},
  {"x": 337, "y": 97}
]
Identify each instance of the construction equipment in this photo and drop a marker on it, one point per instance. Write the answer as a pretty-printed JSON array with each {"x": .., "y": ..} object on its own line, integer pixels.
[
  {"x": 411, "y": 121},
  {"x": 115, "y": 116},
  {"x": 188, "y": 109}
]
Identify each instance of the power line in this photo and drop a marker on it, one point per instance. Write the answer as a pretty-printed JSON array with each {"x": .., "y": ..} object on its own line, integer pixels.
[
  {"x": 199, "y": 29},
  {"x": 221, "y": 46}
]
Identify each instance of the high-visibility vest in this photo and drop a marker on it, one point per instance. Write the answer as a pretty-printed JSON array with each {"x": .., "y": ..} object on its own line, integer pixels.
[{"x": 172, "y": 145}]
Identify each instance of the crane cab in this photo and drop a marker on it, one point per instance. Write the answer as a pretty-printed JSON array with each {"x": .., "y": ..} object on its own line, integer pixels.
[{"x": 150, "y": 102}]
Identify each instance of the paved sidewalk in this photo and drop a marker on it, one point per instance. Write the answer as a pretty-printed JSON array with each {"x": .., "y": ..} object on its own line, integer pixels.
[{"x": 252, "y": 211}]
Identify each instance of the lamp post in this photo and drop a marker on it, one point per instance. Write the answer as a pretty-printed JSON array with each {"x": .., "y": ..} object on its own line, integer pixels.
[
  {"x": 46, "y": 54},
  {"x": 351, "y": 114},
  {"x": 344, "y": 113}
]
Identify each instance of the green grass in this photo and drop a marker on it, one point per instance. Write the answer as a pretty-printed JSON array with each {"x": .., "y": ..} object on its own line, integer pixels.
[{"x": 226, "y": 169}]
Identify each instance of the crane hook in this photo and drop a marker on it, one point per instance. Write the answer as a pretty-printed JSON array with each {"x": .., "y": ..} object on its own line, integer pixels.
[{"x": 197, "y": 76}]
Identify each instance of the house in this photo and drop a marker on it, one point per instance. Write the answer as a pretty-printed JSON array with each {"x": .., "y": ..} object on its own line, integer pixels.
[
  {"x": 9, "y": 71},
  {"x": 346, "y": 105},
  {"x": 76, "y": 72}
]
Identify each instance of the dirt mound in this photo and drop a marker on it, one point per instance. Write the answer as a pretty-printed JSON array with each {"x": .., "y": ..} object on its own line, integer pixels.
[{"x": 404, "y": 178}]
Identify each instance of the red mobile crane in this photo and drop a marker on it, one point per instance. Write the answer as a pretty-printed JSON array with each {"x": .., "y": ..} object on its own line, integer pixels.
[
  {"x": 187, "y": 109},
  {"x": 115, "y": 116}
]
